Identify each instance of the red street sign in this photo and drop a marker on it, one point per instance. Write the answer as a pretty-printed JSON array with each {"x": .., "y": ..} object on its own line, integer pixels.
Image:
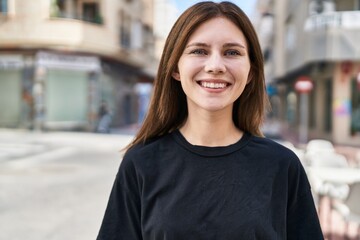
[{"x": 303, "y": 85}]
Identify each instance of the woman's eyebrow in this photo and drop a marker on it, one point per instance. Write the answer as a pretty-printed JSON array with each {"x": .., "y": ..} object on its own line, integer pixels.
[
  {"x": 201, "y": 44},
  {"x": 234, "y": 44},
  {"x": 197, "y": 44}
]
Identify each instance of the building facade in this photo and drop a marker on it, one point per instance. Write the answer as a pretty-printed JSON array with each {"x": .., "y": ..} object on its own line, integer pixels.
[
  {"x": 61, "y": 59},
  {"x": 316, "y": 40},
  {"x": 165, "y": 15}
]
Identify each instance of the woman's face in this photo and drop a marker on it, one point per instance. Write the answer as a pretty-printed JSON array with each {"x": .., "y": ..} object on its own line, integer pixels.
[{"x": 214, "y": 67}]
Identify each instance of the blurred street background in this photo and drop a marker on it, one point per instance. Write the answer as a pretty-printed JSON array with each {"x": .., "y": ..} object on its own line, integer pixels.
[
  {"x": 76, "y": 79},
  {"x": 56, "y": 185}
]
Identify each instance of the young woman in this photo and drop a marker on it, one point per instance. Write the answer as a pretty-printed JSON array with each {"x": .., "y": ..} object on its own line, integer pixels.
[{"x": 200, "y": 168}]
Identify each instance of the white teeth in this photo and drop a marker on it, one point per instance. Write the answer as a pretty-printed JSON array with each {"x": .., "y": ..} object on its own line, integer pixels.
[{"x": 213, "y": 85}]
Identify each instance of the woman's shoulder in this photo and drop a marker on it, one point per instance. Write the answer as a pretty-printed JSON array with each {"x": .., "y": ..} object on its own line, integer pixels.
[
  {"x": 281, "y": 156},
  {"x": 276, "y": 149},
  {"x": 269, "y": 143},
  {"x": 148, "y": 147}
]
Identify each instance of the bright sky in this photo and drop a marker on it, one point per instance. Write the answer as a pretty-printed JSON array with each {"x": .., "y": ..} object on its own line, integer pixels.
[{"x": 246, "y": 5}]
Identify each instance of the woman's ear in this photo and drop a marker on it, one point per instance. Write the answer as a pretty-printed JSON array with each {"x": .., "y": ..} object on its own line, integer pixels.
[{"x": 176, "y": 74}]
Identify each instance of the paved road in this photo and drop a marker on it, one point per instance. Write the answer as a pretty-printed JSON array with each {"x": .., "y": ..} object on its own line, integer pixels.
[{"x": 58, "y": 187}]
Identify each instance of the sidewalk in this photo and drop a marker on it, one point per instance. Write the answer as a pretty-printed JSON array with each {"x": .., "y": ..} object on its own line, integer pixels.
[{"x": 17, "y": 143}]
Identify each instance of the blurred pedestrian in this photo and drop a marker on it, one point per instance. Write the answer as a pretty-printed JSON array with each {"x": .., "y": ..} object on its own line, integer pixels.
[
  {"x": 199, "y": 167},
  {"x": 105, "y": 118}
]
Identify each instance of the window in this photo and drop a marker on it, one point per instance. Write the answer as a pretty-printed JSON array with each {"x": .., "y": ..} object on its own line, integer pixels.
[
  {"x": 316, "y": 7},
  {"x": 355, "y": 107},
  {"x": 59, "y": 8},
  {"x": 91, "y": 13},
  {"x": 137, "y": 35},
  {"x": 3, "y": 6},
  {"x": 125, "y": 30},
  {"x": 290, "y": 36},
  {"x": 61, "y": 5}
]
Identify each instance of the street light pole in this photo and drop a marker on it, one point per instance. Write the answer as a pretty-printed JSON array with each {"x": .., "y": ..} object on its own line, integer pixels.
[
  {"x": 304, "y": 116},
  {"x": 304, "y": 86}
]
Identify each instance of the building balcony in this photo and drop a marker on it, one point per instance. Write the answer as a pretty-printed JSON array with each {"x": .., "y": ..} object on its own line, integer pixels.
[
  {"x": 65, "y": 34},
  {"x": 98, "y": 19},
  {"x": 332, "y": 36}
]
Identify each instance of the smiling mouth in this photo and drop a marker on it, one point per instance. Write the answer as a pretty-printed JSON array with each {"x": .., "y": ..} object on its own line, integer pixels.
[{"x": 213, "y": 85}]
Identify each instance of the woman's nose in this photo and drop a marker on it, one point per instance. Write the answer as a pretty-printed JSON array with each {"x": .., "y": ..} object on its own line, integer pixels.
[{"x": 215, "y": 64}]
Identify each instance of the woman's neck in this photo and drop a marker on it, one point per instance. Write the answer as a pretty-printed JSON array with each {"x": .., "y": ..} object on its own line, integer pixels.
[{"x": 210, "y": 129}]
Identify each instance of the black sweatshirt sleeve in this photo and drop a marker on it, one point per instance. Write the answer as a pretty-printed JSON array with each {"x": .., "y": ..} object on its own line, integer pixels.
[
  {"x": 302, "y": 219},
  {"x": 123, "y": 212},
  {"x": 303, "y": 222}
]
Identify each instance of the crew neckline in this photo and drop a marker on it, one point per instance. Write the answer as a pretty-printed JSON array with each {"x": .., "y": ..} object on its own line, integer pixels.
[{"x": 211, "y": 151}]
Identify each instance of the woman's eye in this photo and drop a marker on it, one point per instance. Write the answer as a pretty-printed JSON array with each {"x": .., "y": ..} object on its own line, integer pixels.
[
  {"x": 198, "y": 51},
  {"x": 232, "y": 53}
]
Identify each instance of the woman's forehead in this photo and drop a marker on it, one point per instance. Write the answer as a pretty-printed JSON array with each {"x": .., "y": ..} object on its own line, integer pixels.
[{"x": 218, "y": 29}]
